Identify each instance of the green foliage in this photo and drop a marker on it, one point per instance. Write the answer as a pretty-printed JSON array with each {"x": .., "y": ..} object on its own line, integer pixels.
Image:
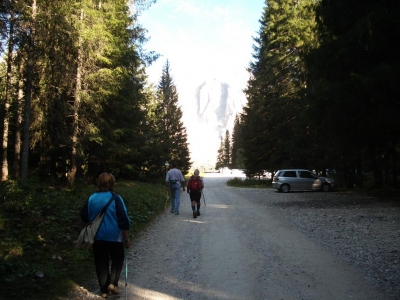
[
  {"x": 227, "y": 149},
  {"x": 272, "y": 124},
  {"x": 100, "y": 119},
  {"x": 224, "y": 158},
  {"x": 237, "y": 145},
  {"x": 323, "y": 90},
  {"x": 353, "y": 79},
  {"x": 220, "y": 157},
  {"x": 170, "y": 138},
  {"x": 249, "y": 183},
  {"x": 38, "y": 227}
]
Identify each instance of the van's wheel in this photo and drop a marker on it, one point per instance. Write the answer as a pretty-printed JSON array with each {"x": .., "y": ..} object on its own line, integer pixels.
[
  {"x": 285, "y": 188},
  {"x": 326, "y": 187}
]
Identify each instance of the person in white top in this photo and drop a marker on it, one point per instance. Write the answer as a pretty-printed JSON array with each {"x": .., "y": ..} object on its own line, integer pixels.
[{"x": 174, "y": 180}]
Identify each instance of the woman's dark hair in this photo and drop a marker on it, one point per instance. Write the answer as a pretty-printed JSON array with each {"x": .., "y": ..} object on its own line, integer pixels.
[{"x": 105, "y": 183}]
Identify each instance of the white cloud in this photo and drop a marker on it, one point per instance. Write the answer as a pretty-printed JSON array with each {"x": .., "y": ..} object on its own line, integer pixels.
[{"x": 185, "y": 7}]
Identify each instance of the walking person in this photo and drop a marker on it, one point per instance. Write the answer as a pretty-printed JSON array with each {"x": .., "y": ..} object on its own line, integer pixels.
[
  {"x": 194, "y": 188},
  {"x": 112, "y": 236},
  {"x": 174, "y": 180}
]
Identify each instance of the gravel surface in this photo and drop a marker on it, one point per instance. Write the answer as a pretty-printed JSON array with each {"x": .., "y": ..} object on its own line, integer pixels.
[{"x": 363, "y": 231}]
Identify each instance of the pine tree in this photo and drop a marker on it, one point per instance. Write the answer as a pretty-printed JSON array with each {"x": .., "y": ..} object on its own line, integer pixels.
[
  {"x": 220, "y": 156},
  {"x": 353, "y": 80},
  {"x": 7, "y": 102},
  {"x": 171, "y": 134},
  {"x": 274, "y": 92},
  {"x": 83, "y": 77},
  {"x": 237, "y": 145},
  {"x": 224, "y": 159},
  {"x": 227, "y": 150},
  {"x": 30, "y": 33},
  {"x": 121, "y": 134}
]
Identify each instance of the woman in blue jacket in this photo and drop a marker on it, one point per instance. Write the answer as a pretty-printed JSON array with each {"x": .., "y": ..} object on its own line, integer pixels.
[{"x": 112, "y": 236}]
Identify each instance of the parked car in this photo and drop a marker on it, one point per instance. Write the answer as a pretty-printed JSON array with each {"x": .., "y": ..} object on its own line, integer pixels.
[{"x": 301, "y": 180}]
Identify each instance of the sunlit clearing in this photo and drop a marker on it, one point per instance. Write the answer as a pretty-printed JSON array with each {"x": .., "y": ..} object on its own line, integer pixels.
[
  {"x": 221, "y": 175},
  {"x": 149, "y": 294},
  {"x": 14, "y": 252},
  {"x": 195, "y": 221},
  {"x": 142, "y": 293},
  {"x": 218, "y": 206}
]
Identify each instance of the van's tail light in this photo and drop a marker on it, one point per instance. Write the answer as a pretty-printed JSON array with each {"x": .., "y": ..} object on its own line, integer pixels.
[{"x": 276, "y": 179}]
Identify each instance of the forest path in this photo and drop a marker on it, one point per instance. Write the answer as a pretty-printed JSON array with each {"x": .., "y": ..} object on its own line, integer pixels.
[{"x": 236, "y": 249}]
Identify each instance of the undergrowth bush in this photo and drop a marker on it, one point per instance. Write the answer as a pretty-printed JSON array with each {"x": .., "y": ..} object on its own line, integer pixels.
[
  {"x": 38, "y": 229},
  {"x": 252, "y": 182}
]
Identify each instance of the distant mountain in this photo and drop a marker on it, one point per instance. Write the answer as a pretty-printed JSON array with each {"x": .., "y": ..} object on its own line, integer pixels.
[{"x": 216, "y": 105}]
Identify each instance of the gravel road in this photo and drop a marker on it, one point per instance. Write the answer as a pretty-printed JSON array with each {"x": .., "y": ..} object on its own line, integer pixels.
[{"x": 261, "y": 244}]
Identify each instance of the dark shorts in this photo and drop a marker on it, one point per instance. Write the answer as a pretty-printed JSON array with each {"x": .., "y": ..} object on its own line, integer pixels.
[{"x": 195, "y": 196}]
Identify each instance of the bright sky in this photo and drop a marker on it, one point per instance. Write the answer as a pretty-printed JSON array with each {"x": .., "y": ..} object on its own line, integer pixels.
[{"x": 203, "y": 40}]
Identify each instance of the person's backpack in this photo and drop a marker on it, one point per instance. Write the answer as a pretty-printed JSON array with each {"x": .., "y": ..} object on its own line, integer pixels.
[{"x": 195, "y": 184}]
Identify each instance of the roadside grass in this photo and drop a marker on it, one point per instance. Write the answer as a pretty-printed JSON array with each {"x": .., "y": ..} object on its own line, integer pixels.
[
  {"x": 249, "y": 183},
  {"x": 38, "y": 229}
]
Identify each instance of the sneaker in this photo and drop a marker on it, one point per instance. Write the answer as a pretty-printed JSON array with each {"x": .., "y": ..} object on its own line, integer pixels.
[
  {"x": 172, "y": 211},
  {"x": 194, "y": 215},
  {"x": 198, "y": 213},
  {"x": 177, "y": 213},
  {"x": 113, "y": 289}
]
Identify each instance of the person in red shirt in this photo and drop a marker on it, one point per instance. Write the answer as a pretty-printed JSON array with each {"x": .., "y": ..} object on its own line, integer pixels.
[{"x": 194, "y": 188}]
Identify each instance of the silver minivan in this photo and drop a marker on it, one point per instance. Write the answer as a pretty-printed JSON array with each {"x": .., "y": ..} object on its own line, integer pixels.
[{"x": 301, "y": 180}]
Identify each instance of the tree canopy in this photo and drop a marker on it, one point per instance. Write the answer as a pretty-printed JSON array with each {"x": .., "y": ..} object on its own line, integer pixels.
[
  {"x": 75, "y": 98},
  {"x": 171, "y": 137},
  {"x": 323, "y": 90}
]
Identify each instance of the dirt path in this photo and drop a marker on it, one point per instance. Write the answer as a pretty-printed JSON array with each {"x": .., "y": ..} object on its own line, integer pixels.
[{"x": 236, "y": 249}]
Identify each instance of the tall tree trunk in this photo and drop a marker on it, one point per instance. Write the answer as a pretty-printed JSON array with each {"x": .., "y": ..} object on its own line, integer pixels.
[
  {"x": 18, "y": 126},
  {"x": 394, "y": 165},
  {"x": 377, "y": 169},
  {"x": 360, "y": 180},
  {"x": 75, "y": 123},
  {"x": 27, "y": 106},
  {"x": 386, "y": 163},
  {"x": 4, "y": 167}
]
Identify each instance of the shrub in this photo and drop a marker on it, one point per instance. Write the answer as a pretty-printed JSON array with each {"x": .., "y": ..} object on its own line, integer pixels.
[{"x": 255, "y": 183}]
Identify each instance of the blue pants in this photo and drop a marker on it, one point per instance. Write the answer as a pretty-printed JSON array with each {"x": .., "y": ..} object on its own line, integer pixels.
[{"x": 175, "y": 189}]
